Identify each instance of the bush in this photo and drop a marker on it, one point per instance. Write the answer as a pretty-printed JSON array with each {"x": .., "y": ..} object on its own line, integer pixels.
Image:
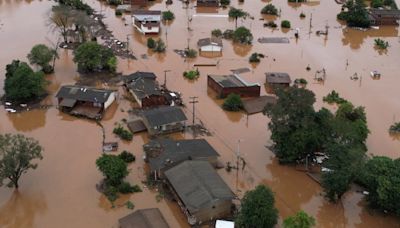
[
  {"x": 191, "y": 53},
  {"x": 301, "y": 81},
  {"x": 168, "y": 16},
  {"x": 269, "y": 9},
  {"x": 254, "y": 58},
  {"x": 151, "y": 43},
  {"x": 111, "y": 193},
  {"x": 126, "y": 188},
  {"x": 285, "y": 24},
  {"x": 302, "y": 15},
  {"x": 333, "y": 97},
  {"x": 216, "y": 33},
  {"x": 242, "y": 35},
  {"x": 395, "y": 128},
  {"x": 192, "y": 74},
  {"x": 225, "y": 2},
  {"x": 41, "y": 55},
  {"x": 376, "y": 3},
  {"x": 130, "y": 205},
  {"x": 381, "y": 44},
  {"x": 118, "y": 13},
  {"x": 160, "y": 46},
  {"x": 233, "y": 103},
  {"x": 127, "y": 157},
  {"x": 228, "y": 34},
  {"x": 270, "y": 24},
  {"x": 123, "y": 133},
  {"x": 114, "y": 2}
]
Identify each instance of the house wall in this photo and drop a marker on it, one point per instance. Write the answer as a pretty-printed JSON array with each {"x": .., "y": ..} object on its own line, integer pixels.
[
  {"x": 219, "y": 209},
  {"x": 110, "y": 100},
  {"x": 214, "y": 86},
  {"x": 384, "y": 21},
  {"x": 145, "y": 29},
  {"x": 139, "y": 101},
  {"x": 211, "y": 48}
]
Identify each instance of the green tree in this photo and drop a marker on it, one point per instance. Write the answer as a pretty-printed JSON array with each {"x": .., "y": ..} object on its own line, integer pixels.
[
  {"x": 258, "y": 209},
  {"x": 22, "y": 84},
  {"x": 236, "y": 14},
  {"x": 233, "y": 103},
  {"x": 151, "y": 43},
  {"x": 269, "y": 9},
  {"x": 91, "y": 56},
  {"x": 300, "y": 220},
  {"x": 168, "y": 15},
  {"x": 41, "y": 55},
  {"x": 242, "y": 35},
  {"x": 17, "y": 154},
  {"x": 114, "y": 169},
  {"x": 216, "y": 33},
  {"x": 285, "y": 24},
  {"x": 355, "y": 14},
  {"x": 225, "y": 2}
]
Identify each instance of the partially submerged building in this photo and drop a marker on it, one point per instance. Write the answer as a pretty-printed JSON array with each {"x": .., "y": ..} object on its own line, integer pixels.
[
  {"x": 212, "y": 44},
  {"x": 164, "y": 120},
  {"x": 147, "y": 21},
  {"x": 224, "y": 85},
  {"x": 207, "y": 3},
  {"x": 278, "y": 79},
  {"x": 200, "y": 191},
  {"x": 384, "y": 17},
  {"x": 145, "y": 89},
  {"x": 137, "y": 3},
  {"x": 162, "y": 154},
  {"x": 85, "y": 101},
  {"x": 144, "y": 218}
]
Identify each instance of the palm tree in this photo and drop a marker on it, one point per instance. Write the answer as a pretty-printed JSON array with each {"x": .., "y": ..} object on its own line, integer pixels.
[{"x": 237, "y": 13}]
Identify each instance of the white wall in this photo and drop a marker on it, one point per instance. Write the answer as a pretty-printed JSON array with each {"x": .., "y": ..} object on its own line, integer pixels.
[
  {"x": 211, "y": 48},
  {"x": 110, "y": 100}
]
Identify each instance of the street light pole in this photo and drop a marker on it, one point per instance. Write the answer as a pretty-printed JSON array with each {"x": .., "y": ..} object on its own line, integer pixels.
[{"x": 165, "y": 78}]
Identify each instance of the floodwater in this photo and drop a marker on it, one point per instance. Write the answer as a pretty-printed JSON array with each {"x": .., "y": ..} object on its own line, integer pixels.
[{"x": 61, "y": 191}]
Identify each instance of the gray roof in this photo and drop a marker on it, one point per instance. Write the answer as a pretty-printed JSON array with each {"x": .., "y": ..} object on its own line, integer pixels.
[
  {"x": 173, "y": 152},
  {"x": 147, "y": 15},
  {"x": 208, "y": 41},
  {"x": 385, "y": 13},
  {"x": 230, "y": 81},
  {"x": 198, "y": 185},
  {"x": 139, "y": 74},
  {"x": 278, "y": 77},
  {"x": 163, "y": 115},
  {"x": 145, "y": 218},
  {"x": 82, "y": 93},
  {"x": 144, "y": 87}
]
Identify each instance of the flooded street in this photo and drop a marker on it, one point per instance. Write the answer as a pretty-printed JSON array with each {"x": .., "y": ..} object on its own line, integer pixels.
[{"x": 61, "y": 191}]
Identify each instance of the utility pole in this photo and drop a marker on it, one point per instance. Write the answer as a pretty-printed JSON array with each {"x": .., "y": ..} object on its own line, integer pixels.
[
  {"x": 165, "y": 78},
  {"x": 193, "y": 101},
  {"x": 237, "y": 164},
  {"x": 309, "y": 32}
]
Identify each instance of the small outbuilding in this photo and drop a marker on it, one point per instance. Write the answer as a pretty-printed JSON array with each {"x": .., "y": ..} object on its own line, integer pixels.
[
  {"x": 162, "y": 154},
  {"x": 224, "y": 85},
  {"x": 137, "y": 3},
  {"x": 85, "y": 101},
  {"x": 200, "y": 191},
  {"x": 147, "y": 21},
  {"x": 278, "y": 79},
  {"x": 207, "y": 3},
  {"x": 384, "y": 17},
  {"x": 164, "y": 120},
  {"x": 212, "y": 44},
  {"x": 144, "y": 218}
]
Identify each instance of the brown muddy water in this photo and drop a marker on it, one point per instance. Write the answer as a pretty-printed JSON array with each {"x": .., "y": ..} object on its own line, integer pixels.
[{"x": 62, "y": 193}]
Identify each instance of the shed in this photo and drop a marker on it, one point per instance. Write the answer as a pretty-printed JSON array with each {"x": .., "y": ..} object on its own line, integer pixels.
[
  {"x": 224, "y": 85},
  {"x": 164, "y": 119},
  {"x": 212, "y": 44},
  {"x": 165, "y": 153},
  {"x": 147, "y": 21},
  {"x": 200, "y": 191},
  {"x": 278, "y": 78},
  {"x": 384, "y": 17},
  {"x": 144, "y": 218}
]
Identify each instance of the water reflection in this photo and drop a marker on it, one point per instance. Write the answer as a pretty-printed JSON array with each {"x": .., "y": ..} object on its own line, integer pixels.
[
  {"x": 355, "y": 38},
  {"x": 28, "y": 121},
  {"x": 22, "y": 209}
]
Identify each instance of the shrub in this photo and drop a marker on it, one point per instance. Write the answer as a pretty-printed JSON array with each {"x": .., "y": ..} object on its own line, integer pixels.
[
  {"x": 111, "y": 193},
  {"x": 41, "y": 55},
  {"x": 191, "y": 53},
  {"x": 269, "y": 9},
  {"x": 168, "y": 15},
  {"x": 192, "y": 74},
  {"x": 127, "y": 157},
  {"x": 151, "y": 43},
  {"x": 233, "y": 103},
  {"x": 376, "y": 3},
  {"x": 395, "y": 128},
  {"x": 160, "y": 46},
  {"x": 118, "y": 13},
  {"x": 228, "y": 34},
  {"x": 381, "y": 44},
  {"x": 130, "y": 205},
  {"x": 216, "y": 33},
  {"x": 225, "y": 2},
  {"x": 285, "y": 24},
  {"x": 301, "y": 81},
  {"x": 254, "y": 58},
  {"x": 333, "y": 97},
  {"x": 123, "y": 133},
  {"x": 302, "y": 15},
  {"x": 270, "y": 24},
  {"x": 126, "y": 188},
  {"x": 114, "y": 2}
]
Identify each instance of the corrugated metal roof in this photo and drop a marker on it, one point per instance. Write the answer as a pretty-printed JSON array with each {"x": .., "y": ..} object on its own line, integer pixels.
[
  {"x": 163, "y": 115},
  {"x": 197, "y": 184},
  {"x": 144, "y": 218},
  {"x": 278, "y": 77},
  {"x": 82, "y": 93}
]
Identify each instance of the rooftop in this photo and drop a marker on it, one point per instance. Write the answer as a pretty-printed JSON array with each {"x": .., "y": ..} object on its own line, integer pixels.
[
  {"x": 147, "y": 15},
  {"x": 144, "y": 218},
  {"x": 386, "y": 12},
  {"x": 139, "y": 74},
  {"x": 170, "y": 152},
  {"x": 208, "y": 41},
  {"x": 230, "y": 81},
  {"x": 163, "y": 115},
  {"x": 198, "y": 184},
  {"x": 82, "y": 93},
  {"x": 144, "y": 87},
  {"x": 278, "y": 77}
]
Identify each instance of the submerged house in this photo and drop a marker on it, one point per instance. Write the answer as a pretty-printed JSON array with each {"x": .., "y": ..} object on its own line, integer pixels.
[
  {"x": 224, "y": 85},
  {"x": 147, "y": 21},
  {"x": 212, "y": 44},
  {"x": 162, "y": 154},
  {"x": 207, "y": 3},
  {"x": 144, "y": 218},
  {"x": 140, "y": 3},
  {"x": 85, "y": 101},
  {"x": 200, "y": 191},
  {"x": 164, "y": 120},
  {"x": 384, "y": 17},
  {"x": 145, "y": 89},
  {"x": 278, "y": 79}
]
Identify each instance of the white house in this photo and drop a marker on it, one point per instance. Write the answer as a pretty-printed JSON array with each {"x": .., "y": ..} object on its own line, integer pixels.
[
  {"x": 210, "y": 44},
  {"x": 147, "y": 21}
]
